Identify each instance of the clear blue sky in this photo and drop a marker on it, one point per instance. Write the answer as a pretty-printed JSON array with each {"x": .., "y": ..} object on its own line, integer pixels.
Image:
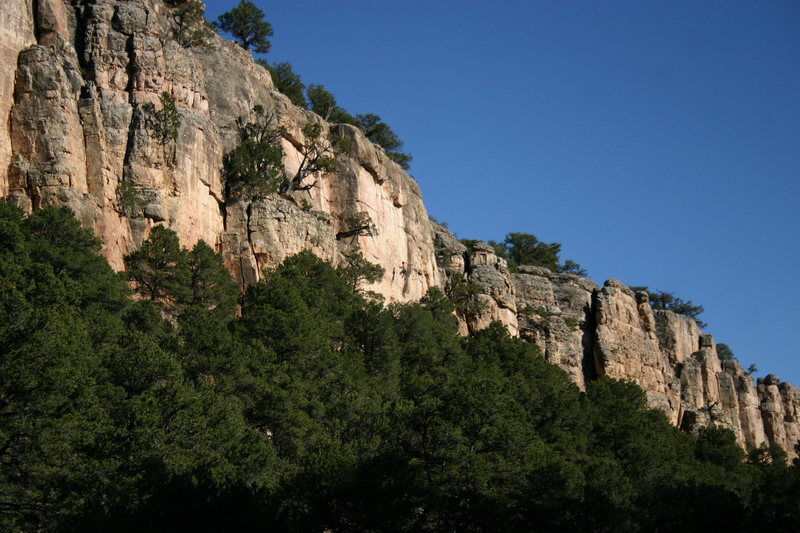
[{"x": 659, "y": 142}]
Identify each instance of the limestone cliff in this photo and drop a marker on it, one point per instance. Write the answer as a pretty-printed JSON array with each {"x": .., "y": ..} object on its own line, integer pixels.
[
  {"x": 76, "y": 106},
  {"x": 479, "y": 266},
  {"x": 591, "y": 331},
  {"x": 74, "y": 97}
]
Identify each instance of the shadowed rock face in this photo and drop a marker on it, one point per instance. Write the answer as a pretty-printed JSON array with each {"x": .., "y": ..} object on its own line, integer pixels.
[{"x": 75, "y": 114}]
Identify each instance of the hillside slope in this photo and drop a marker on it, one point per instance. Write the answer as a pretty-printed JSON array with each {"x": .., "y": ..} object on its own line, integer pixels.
[{"x": 75, "y": 116}]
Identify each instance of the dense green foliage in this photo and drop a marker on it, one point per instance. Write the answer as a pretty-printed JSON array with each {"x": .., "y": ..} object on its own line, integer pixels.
[
  {"x": 724, "y": 352},
  {"x": 129, "y": 199},
  {"x": 246, "y": 24},
  {"x": 526, "y": 249},
  {"x": 323, "y": 103},
  {"x": 255, "y": 167},
  {"x": 191, "y": 27},
  {"x": 317, "y": 408},
  {"x": 163, "y": 123}
]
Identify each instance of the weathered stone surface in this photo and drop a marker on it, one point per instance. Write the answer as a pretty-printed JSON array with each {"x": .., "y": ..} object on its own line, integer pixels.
[
  {"x": 555, "y": 312},
  {"x": 626, "y": 346},
  {"x": 750, "y": 420},
  {"x": 449, "y": 251},
  {"x": 79, "y": 121},
  {"x": 780, "y": 408},
  {"x": 272, "y": 230},
  {"x": 49, "y": 161},
  {"x": 491, "y": 274},
  {"x": 16, "y": 34},
  {"x": 481, "y": 266},
  {"x": 678, "y": 336}
]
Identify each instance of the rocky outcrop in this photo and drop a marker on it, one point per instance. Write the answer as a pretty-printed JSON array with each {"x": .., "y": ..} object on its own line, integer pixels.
[
  {"x": 16, "y": 34},
  {"x": 476, "y": 266},
  {"x": 626, "y": 346},
  {"x": 80, "y": 106},
  {"x": 780, "y": 409},
  {"x": 555, "y": 313},
  {"x": 591, "y": 331},
  {"x": 749, "y": 412},
  {"x": 273, "y": 229}
]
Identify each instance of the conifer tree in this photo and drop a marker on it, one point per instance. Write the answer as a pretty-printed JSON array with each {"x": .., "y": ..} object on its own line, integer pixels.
[
  {"x": 247, "y": 25},
  {"x": 158, "y": 268}
]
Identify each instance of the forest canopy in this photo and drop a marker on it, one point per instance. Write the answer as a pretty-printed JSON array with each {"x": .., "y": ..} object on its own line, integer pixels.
[{"x": 314, "y": 407}]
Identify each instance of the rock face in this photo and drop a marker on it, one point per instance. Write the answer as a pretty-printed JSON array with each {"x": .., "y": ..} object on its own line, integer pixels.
[
  {"x": 16, "y": 34},
  {"x": 479, "y": 267},
  {"x": 626, "y": 345},
  {"x": 555, "y": 312},
  {"x": 780, "y": 408},
  {"x": 591, "y": 331},
  {"x": 80, "y": 105},
  {"x": 82, "y": 84}
]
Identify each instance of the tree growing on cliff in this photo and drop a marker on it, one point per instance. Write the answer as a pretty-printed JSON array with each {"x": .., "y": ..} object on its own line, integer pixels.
[
  {"x": 164, "y": 122},
  {"x": 286, "y": 81},
  {"x": 724, "y": 352},
  {"x": 670, "y": 302},
  {"x": 255, "y": 167},
  {"x": 466, "y": 296},
  {"x": 192, "y": 29},
  {"x": 381, "y": 134},
  {"x": 571, "y": 267},
  {"x": 246, "y": 24},
  {"x": 526, "y": 249},
  {"x": 129, "y": 199},
  {"x": 358, "y": 224},
  {"x": 323, "y": 103},
  {"x": 318, "y": 154}
]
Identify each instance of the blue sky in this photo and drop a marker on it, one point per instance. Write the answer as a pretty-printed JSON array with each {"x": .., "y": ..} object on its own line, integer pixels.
[{"x": 659, "y": 142}]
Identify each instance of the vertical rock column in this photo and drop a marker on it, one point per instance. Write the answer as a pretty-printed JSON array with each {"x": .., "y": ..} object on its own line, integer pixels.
[
  {"x": 626, "y": 346},
  {"x": 780, "y": 409},
  {"x": 16, "y": 34},
  {"x": 555, "y": 312}
]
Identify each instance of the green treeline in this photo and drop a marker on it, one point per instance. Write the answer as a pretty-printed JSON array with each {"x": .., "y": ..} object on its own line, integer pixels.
[
  {"x": 525, "y": 249},
  {"x": 306, "y": 405}
]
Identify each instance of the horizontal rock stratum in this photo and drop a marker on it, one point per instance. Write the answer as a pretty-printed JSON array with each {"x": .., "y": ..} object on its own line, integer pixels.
[{"x": 72, "y": 109}]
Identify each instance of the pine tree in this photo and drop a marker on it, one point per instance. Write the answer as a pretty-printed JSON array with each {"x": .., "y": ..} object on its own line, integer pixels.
[{"x": 247, "y": 25}]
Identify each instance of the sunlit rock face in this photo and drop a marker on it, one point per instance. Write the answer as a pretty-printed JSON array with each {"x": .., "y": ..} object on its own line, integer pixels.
[
  {"x": 612, "y": 331},
  {"x": 480, "y": 266},
  {"x": 16, "y": 34},
  {"x": 555, "y": 312},
  {"x": 77, "y": 109},
  {"x": 75, "y": 103}
]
